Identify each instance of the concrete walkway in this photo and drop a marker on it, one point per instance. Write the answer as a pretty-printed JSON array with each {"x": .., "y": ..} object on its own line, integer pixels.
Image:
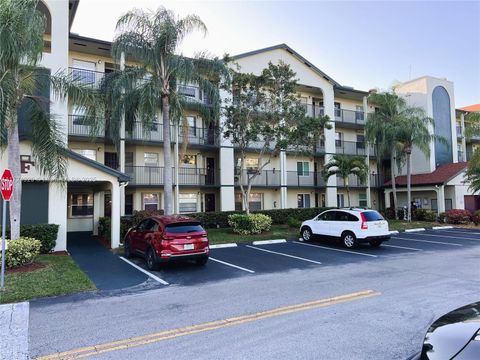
[
  {"x": 104, "y": 268},
  {"x": 14, "y": 331}
]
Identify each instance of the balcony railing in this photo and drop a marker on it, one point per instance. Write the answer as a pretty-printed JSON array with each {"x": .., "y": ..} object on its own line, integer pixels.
[
  {"x": 353, "y": 148},
  {"x": 154, "y": 175},
  {"x": 459, "y": 131},
  {"x": 77, "y": 126},
  {"x": 314, "y": 111},
  {"x": 349, "y": 116},
  {"x": 264, "y": 178},
  {"x": 86, "y": 77},
  {"x": 461, "y": 156},
  {"x": 305, "y": 178}
]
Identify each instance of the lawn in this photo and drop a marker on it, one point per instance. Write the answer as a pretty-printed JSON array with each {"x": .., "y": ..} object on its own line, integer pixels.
[
  {"x": 60, "y": 276},
  {"x": 222, "y": 236}
]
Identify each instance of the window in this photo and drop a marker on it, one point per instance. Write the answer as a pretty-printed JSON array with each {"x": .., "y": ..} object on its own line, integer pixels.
[
  {"x": 128, "y": 204},
  {"x": 303, "y": 200},
  {"x": 338, "y": 139},
  {"x": 362, "y": 200},
  {"x": 338, "y": 110},
  {"x": 303, "y": 168},
  {"x": 360, "y": 141},
  {"x": 150, "y": 159},
  {"x": 448, "y": 204},
  {"x": 187, "y": 203},
  {"x": 150, "y": 201},
  {"x": 189, "y": 91},
  {"x": 81, "y": 205},
  {"x": 255, "y": 201},
  {"x": 88, "y": 153},
  {"x": 148, "y": 225},
  {"x": 128, "y": 158},
  {"x": 189, "y": 161},
  {"x": 344, "y": 216},
  {"x": 327, "y": 216},
  {"x": 434, "y": 204},
  {"x": 251, "y": 164},
  {"x": 192, "y": 125},
  {"x": 359, "y": 113},
  {"x": 372, "y": 216},
  {"x": 182, "y": 228},
  {"x": 340, "y": 200}
]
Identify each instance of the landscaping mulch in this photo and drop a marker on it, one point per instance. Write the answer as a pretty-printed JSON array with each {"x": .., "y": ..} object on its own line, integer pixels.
[{"x": 27, "y": 268}]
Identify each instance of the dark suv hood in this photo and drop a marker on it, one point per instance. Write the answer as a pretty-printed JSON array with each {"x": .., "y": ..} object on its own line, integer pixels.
[{"x": 451, "y": 334}]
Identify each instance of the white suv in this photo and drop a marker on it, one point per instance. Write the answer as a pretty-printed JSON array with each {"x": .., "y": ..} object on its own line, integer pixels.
[{"x": 352, "y": 226}]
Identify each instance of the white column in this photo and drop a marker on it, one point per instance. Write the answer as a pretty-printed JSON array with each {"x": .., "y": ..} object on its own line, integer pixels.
[
  {"x": 121, "y": 150},
  {"x": 464, "y": 140},
  {"x": 367, "y": 159},
  {"x": 176, "y": 189},
  {"x": 97, "y": 209},
  {"x": 115, "y": 221},
  {"x": 58, "y": 212},
  {"x": 328, "y": 103},
  {"x": 441, "y": 199},
  {"x": 283, "y": 180},
  {"x": 227, "y": 166}
]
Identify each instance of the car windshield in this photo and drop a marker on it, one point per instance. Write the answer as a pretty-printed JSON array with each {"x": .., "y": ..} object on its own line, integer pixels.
[
  {"x": 184, "y": 228},
  {"x": 372, "y": 216}
]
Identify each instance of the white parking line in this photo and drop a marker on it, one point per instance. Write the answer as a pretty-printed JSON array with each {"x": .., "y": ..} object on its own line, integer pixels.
[
  {"x": 232, "y": 265},
  {"x": 459, "y": 231},
  {"x": 329, "y": 248},
  {"x": 441, "y": 227},
  {"x": 283, "y": 254},
  {"x": 427, "y": 241},
  {"x": 156, "y": 278},
  {"x": 266, "y": 242},
  {"x": 452, "y": 237},
  {"x": 401, "y": 247},
  {"x": 222, "y": 246}
]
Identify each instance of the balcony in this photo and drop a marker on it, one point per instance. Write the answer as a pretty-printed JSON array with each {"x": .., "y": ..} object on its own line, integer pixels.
[
  {"x": 354, "y": 182},
  {"x": 305, "y": 179},
  {"x": 264, "y": 178},
  {"x": 353, "y": 117},
  {"x": 461, "y": 156},
  {"x": 314, "y": 111},
  {"x": 154, "y": 175},
  {"x": 193, "y": 94},
  {"x": 352, "y": 148},
  {"x": 459, "y": 131},
  {"x": 77, "y": 126},
  {"x": 86, "y": 77}
]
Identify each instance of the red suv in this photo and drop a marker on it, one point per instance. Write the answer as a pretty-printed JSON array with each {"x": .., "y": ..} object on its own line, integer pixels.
[{"x": 167, "y": 238}]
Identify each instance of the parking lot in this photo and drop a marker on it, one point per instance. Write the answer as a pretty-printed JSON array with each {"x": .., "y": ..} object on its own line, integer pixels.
[{"x": 251, "y": 260}]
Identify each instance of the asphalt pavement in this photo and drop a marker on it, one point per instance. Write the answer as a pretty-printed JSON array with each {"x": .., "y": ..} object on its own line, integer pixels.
[{"x": 288, "y": 305}]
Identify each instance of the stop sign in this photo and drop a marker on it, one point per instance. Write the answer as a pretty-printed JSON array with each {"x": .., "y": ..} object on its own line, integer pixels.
[{"x": 6, "y": 184}]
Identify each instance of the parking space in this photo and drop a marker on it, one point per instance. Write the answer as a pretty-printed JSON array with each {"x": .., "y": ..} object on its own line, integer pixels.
[{"x": 251, "y": 260}]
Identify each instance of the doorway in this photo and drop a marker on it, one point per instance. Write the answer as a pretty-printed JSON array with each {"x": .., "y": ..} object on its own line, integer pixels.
[
  {"x": 210, "y": 180},
  {"x": 209, "y": 202}
]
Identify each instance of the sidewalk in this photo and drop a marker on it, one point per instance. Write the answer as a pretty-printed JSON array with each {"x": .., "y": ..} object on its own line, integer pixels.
[{"x": 14, "y": 331}]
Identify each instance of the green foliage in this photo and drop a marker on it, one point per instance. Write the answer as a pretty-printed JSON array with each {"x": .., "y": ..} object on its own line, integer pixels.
[
  {"x": 21, "y": 251},
  {"x": 246, "y": 224},
  {"x": 294, "y": 223},
  {"x": 472, "y": 174},
  {"x": 442, "y": 217},
  {"x": 45, "y": 233},
  {"x": 476, "y": 217},
  {"x": 472, "y": 125},
  {"x": 424, "y": 215},
  {"x": 104, "y": 227}
]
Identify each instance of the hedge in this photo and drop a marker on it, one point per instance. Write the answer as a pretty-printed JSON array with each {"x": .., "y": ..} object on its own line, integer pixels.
[
  {"x": 246, "y": 224},
  {"x": 45, "y": 233},
  {"x": 21, "y": 251},
  {"x": 458, "y": 216}
]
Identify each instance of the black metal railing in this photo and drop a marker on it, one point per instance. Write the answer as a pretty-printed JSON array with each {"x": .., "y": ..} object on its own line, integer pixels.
[
  {"x": 154, "y": 175},
  {"x": 263, "y": 178},
  {"x": 349, "y": 116},
  {"x": 77, "y": 126},
  {"x": 459, "y": 131},
  {"x": 86, "y": 77},
  {"x": 353, "y": 148},
  {"x": 305, "y": 178}
]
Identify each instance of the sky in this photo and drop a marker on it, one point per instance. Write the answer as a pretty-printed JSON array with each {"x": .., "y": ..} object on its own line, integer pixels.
[{"x": 361, "y": 44}]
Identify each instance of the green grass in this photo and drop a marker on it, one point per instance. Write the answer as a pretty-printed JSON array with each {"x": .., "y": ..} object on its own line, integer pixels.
[
  {"x": 222, "y": 236},
  {"x": 61, "y": 276},
  {"x": 402, "y": 225}
]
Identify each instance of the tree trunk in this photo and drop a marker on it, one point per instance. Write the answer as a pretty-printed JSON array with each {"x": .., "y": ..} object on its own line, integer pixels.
[
  {"x": 345, "y": 180},
  {"x": 14, "y": 165},
  {"x": 167, "y": 158},
  {"x": 409, "y": 181},
  {"x": 394, "y": 186}
]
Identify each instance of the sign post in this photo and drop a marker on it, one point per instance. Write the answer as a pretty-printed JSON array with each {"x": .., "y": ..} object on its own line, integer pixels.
[{"x": 6, "y": 188}]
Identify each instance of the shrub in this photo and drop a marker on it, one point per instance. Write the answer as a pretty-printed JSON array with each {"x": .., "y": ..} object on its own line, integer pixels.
[
  {"x": 425, "y": 215},
  {"x": 441, "y": 217},
  {"x": 45, "y": 233},
  {"x": 458, "y": 216},
  {"x": 247, "y": 224},
  {"x": 294, "y": 223},
  {"x": 390, "y": 213},
  {"x": 21, "y": 251},
  {"x": 125, "y": 224},
  {"x": 104, "y": 227},
  {"x": 476, "y": 217}
]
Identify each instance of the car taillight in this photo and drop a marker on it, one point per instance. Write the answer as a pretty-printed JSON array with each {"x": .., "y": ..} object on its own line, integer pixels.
[{"x": 364, "y": 222}]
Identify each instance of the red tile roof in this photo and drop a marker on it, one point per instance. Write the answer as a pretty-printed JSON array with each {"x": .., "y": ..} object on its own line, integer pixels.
[
  {"x": 438, "y": 177},
  {"x": 471, "y": 108}
]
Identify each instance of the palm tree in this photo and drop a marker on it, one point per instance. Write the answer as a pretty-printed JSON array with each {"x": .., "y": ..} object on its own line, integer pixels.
[
  {"x": 380, "y": 130},
  {"x": 152, "y": 87},
  {"x": 412, "y": 129},
  {"x": 21, "y": 84},
  {"x": 472, "y": 128},
  {"x": 344, "y": 166}
]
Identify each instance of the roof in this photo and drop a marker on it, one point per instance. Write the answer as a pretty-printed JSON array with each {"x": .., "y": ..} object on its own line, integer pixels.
[
  {"x": 99, "y": 166},
  {"x": 292, "y": 52},
  {"x": 440, "y": 176},
  {"x": 471, "y": 108}
]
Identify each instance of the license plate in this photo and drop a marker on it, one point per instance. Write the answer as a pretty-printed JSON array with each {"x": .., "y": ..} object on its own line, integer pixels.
[{"x": 188, "y": 247}]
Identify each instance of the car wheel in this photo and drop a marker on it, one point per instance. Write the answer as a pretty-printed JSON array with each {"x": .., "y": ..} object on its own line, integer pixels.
[
  {"x": 307, "y": 234},
  {"x": 151, "y": 260},
  {"x": 127, "y": 249},
  {"x": 202, "y": 262},
  {"x": 349, "y": 240},
  {"x": 375, "y": 243}
]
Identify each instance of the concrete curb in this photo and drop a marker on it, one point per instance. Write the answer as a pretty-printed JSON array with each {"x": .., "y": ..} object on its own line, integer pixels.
[
  {"x": 222, "y": 246},
  {"x": 265, "y": 242},
  {"x": 441, "y": 227},
  {"x": 415, "y": 230}
]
